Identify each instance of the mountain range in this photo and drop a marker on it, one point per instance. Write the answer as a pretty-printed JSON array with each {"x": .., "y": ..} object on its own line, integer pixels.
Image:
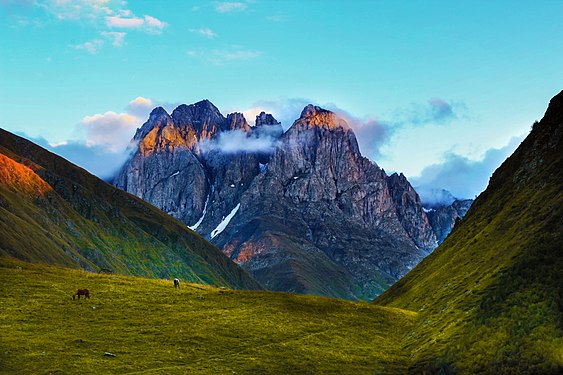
[{"x": 301, "y": 210}]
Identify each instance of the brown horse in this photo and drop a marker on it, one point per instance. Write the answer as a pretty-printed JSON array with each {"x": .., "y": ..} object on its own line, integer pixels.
[{"x": 81, "y": 292}]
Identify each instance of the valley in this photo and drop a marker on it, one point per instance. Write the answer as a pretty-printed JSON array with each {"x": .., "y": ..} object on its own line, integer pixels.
[{"x": 487, "y": 300}]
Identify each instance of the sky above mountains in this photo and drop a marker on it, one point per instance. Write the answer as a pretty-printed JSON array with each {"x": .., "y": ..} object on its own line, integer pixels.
[{"x": 442, "y": 91}]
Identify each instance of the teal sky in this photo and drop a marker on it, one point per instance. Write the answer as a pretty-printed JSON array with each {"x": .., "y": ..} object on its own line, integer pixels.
[{"x": 428, "y": 83}]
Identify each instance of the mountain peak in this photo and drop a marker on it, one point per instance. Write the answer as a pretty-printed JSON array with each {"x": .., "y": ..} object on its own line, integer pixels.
[
  {"x": 313, "y": 110},
  {"x": 206, "y": 104},
  {"x": 157, "y": 118},
  {"x": 266, "y": 119},
  {"x": 236, "y": 121},
  {"x": 201, "y": 112},
  {"x": 158, "y": 112},
  {"x": 316, "y": 116}
]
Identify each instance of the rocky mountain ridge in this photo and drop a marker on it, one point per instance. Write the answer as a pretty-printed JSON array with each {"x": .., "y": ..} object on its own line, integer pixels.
[{"x": 305, "y": 212}]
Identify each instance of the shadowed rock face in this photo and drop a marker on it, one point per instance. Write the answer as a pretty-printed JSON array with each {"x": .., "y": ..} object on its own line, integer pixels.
[
  {"x": 311, "y": 216},
  {"x": 443, "y": 219}
]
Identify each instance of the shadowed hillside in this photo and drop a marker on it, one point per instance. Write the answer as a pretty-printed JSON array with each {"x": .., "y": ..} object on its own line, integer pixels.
[
  {"x": 52, "y": 211},
  {"x": 490, "y": 297}
]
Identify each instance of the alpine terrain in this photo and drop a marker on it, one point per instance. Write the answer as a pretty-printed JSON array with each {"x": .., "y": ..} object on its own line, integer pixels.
[
  {"x": 300, "y": 210},
  {"x": 54, "y": 212},
  {"x": 490, "y": 297}
]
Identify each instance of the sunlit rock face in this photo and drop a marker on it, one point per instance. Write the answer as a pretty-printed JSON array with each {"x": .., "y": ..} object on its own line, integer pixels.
[{"x": 301, "y": 210}]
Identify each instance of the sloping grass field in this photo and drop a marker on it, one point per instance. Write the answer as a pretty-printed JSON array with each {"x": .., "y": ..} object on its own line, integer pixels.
[{"x": 153, "y": 328}]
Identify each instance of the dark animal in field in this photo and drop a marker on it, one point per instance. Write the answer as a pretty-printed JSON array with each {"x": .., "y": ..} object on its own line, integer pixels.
[
  {"x": 176, "y": 283},
  {"x": 81, "y": 292}
]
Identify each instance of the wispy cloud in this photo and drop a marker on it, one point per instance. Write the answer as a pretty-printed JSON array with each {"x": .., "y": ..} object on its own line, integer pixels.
[
  {"x": 116, "y": 37},
  {"x": 140, "y": 106},
  {"x": 205, "y": 32},
  {"x": 79, "y": 9},
  {"x": 229, "y": 6},
  {"x": 146, "y": 23},
  {"x": 102, "y": 15},
  {"x": 225, "y": 56},
  {"x": 235, "y": 141},
  {"x": 92, "y": 47},
  {"x": 463, "y": 177}
]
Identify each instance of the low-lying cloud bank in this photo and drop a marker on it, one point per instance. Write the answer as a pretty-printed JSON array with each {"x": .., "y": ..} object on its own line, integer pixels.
[
  {"x": 462, "y": 177},
  {"x": 234, "y": 141}
]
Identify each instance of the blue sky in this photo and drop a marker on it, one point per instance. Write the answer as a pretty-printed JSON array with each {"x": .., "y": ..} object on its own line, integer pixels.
[{"x": 440, "y": 90}]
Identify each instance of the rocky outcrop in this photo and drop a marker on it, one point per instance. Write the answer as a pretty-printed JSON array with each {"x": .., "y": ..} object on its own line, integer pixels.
[
  {"x": 442, "y": 219},
  {"x": 311, "y": 215}
]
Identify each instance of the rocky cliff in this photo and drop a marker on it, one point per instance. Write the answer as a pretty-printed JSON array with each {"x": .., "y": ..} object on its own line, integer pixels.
[
  {"x": 302, "y": 211},
  {"x": 442, "y": 219}
]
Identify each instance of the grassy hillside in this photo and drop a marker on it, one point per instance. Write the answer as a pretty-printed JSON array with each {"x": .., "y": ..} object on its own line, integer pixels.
[
  {"x": 52, "y": 211},
  {"x": 490, "y": 298},
  {"x": 153, "y": 328}
]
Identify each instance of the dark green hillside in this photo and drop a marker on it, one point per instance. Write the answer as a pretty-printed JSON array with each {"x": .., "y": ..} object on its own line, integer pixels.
[
  {"x": 490, "y": 298},
  {"x": 52, "y": 211},
  {"x": 152, "y": 328}
]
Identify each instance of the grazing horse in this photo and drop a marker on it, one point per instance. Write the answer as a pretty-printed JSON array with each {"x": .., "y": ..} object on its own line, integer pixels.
[
  {"x": 176, "y": 283},
  {"x": 81, "y": 292}
]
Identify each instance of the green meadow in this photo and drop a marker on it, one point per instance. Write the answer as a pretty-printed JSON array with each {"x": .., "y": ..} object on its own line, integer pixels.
[{"x": 153, "y": 328}]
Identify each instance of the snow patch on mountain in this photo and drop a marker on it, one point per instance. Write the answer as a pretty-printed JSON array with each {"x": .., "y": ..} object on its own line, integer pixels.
[
  {"x": 194, "y": 227},
  {"x": 223, "y": 224}
]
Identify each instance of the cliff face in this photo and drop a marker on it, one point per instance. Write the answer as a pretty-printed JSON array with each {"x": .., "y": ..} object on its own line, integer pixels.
[
  {"x": 307, "y": 214},
  {"x": 442, "y": 219}
]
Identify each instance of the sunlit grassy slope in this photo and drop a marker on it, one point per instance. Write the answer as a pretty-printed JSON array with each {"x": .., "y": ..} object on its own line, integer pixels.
[
  {"x": 153, "y": 328},
  {"x": 490, "y": 298},
  {"x": 52, "y": 211}
]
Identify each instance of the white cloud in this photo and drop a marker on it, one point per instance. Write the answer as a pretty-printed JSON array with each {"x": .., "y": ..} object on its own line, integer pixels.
[
  {"x": 91, "y": 47},
  {"x": 79, "y": 9},
  {"x": 110, "y": 130},
  {"x": 154, "y": 23},
  {"x": 124, "y": 22},
  {"x": 206, "y": 32},
  {"x": 116, "y": 37},
  {"x": 234, "y": 141},
  {"x": 228, "y": 6},
  {"x": 102, "y": 13},
  {"x": 146, "y": 23},
  {"x": 140, "y": 107},
  {"x": 105, "y": 142}
]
